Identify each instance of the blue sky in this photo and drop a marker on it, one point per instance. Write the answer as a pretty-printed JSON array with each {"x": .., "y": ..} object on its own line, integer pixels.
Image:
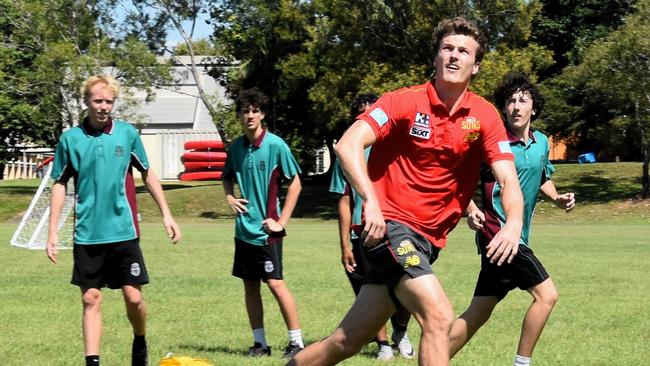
[{"x": 201, "y": 30}]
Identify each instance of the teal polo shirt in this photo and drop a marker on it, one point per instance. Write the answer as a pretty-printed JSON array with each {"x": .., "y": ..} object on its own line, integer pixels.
[
  {"x": 100, "y": 163},
  {"x": 339, "y": 184},
  {"x": 259, "y": 169},
  {"x": 533, "y": 169}
]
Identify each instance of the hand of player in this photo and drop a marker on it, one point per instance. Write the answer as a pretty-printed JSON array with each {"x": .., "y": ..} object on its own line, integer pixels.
[
  {"x": 237, "y": 205},
  {"x": 505, "y": 244},
  {"x": 475, "y": 220},
  {"x": 566, "y": 201},
  {"x": 375, "y": 228},
  {"x": 173, "y": 231},
  {"x": 52, "y": 248},
  {"x": 347, "y": 258},
  {"x": 272, "y": 226}
]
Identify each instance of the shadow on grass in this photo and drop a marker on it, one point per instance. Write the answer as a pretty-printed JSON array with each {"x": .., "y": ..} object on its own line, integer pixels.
[
  {"x": 316, "y": 201},
  {"x": 215, "y": 215},
  {"x": 26, "y": 190},
  {"x": 212, "y": 349},
  {"x": 597, "y": 188}
]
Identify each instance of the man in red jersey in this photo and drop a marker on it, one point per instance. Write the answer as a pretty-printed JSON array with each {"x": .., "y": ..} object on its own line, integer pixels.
[{"x": 428, "y": 142}]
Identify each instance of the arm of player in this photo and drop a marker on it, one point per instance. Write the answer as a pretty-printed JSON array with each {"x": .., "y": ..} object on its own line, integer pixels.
[
  {"x": 237, "y": 205},
  {"x": 293, "y": 191},
  {"x": 345, "y": 220},
  {"x": 564, "y": 201},
  {"x": 503, "y": 247},
  {"x": 475, "y": 217},
  {"x": 349, "y": 150},
  {"x": 155, "y": 190},
  {"x": 57, "y": 199}
]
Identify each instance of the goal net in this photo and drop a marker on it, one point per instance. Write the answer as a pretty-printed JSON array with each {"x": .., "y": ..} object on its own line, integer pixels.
[{"x": 33, "y": 228}]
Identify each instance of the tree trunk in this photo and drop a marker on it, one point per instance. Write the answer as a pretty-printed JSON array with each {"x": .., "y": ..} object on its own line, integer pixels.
[
  {"x": 2, "y": 171},
  {"x": 645, "y": 181}
]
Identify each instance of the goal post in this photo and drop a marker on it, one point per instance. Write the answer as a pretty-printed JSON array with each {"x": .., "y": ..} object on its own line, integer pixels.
[{"x": 32, "y": 231}]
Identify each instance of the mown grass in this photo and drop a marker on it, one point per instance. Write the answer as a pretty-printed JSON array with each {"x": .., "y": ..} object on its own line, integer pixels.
[{"x": 597, "y": 256}]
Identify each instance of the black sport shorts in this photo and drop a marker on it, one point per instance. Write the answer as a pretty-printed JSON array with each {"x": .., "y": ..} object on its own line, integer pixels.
[
  {"x": 258, "y": 262},
  {"x": 109, "y": 265},
  {"x": 356, "y": 277},
  {"x": 525, "y": 272},
  {"x": 403, "y": 252}
]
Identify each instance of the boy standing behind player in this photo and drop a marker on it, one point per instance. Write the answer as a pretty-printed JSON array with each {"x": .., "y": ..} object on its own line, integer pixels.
[
  {"x": 349, "y": 210},
  {"x": 521, "y": 103},
  {"x": 258, "y": 162}
]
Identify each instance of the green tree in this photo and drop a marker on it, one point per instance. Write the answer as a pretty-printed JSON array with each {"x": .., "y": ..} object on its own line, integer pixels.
[
  {"x": 569, "y": 26},
  {"x": 313, "y": 57},
  {"x": 49, "y": 47},
  {"x": 606, "y": 98}
]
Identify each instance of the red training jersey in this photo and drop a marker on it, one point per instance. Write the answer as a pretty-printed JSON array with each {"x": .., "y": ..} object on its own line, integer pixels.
[{"x": 425, "y": 163}]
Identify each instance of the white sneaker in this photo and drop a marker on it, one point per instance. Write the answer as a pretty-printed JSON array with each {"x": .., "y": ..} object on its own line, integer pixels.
[
  {"x": 385, "y": 353},
  {"x": 404, "y": 346}
]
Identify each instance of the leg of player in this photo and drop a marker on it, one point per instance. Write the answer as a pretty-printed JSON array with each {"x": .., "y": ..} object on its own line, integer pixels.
[
  {"x": 426, "y": 300},
  {"x": 371, "y": 310},
  {"x": 401, "y": 341},
  {"x": 92, "y": 322},
  {"x": 255, "y": 311},
  {"x": 544, "y": 298},
  {"x": 464, "y": 328},
  {"x": 290, "y": 314},
  {"x": 384, "y": 350},
  {"x": 136, "y": 311}
]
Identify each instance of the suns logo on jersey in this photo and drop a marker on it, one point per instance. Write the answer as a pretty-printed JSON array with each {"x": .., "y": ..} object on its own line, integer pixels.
[{"x": 470, "y": 123}]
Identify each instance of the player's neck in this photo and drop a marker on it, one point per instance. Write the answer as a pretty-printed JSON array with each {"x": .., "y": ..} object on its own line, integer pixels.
[
  {"x": 450, "y": 94},
  {"x": 253, "y": 135},
  {"x": 97, "y": 125},
  {"x": 521, "y": 133}
]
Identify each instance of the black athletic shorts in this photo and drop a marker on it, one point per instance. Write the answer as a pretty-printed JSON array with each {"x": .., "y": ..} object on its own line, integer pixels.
[
  {"x": 403, "y": 252},
  {"x": 109, "y": 265},
  {"x": 525, "y": 272},
  {"x": 258, "y": 262},
  {"x": 356, "y": 277}
]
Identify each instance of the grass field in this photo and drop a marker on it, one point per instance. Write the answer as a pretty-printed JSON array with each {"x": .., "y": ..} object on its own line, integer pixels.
[{"x": 597, "y": 256}]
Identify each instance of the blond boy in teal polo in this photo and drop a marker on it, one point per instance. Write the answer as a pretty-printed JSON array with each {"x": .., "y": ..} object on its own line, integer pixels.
[
  {"x": 99, "y": 155},
  {"x": 258, "y": 162}
]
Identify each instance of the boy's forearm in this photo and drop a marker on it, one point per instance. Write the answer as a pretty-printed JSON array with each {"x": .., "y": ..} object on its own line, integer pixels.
[{"x": 293, "y": 192}]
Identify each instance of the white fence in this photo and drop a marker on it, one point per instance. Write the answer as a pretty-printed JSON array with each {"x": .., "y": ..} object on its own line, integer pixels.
[{"x": 25, "y": 167}]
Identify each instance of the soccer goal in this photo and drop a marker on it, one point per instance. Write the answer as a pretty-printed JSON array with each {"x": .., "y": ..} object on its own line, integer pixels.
[{"x": 33, "y": 228}]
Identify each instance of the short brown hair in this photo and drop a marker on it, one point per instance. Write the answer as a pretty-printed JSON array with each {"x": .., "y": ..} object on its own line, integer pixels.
[{"x": 459, "y": 25}]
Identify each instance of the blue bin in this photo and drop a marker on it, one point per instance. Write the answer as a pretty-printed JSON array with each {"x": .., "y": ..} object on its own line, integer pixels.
[{"x": 587, "y": 158}]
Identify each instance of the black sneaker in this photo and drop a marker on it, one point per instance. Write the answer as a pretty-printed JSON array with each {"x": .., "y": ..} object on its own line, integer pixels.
[
  {"x": 258, "y": 351},
  {"x": 291, "y": 350},
  {"x": 139, "y": 352}
]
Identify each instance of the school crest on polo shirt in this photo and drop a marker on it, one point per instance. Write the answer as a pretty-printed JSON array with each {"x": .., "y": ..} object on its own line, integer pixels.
[
  {"x": 421, "y": 126},
  {"x": 119, "y": 151},
  {"x": 262, "y": 165}
]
